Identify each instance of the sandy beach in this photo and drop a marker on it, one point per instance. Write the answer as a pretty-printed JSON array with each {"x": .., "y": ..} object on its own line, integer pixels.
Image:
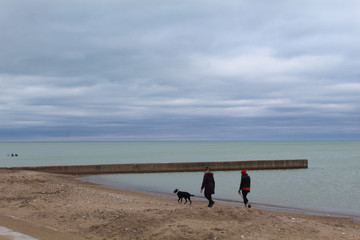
[{"x": 50, "y": 206}]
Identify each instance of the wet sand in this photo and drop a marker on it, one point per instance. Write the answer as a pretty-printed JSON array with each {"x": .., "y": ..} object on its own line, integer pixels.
[{"x": 51, "y": 206}]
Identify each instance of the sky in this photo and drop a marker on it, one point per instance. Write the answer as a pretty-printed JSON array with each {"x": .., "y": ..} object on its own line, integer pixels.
[{"x": 134, "y": 70}]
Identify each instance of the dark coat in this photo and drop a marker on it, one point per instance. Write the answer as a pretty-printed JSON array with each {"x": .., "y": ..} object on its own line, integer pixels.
[
  {"x": 208, "y": 183},
  {"x": 245, "y": 181}
]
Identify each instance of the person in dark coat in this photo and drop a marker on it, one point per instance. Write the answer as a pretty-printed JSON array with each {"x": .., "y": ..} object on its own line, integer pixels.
[
  {"x": 209, "y": 185},
  {"x": 244, "y": 188}
]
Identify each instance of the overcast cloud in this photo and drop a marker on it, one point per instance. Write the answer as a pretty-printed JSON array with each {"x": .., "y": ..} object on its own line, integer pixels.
[{"x": 179, "y": 70}]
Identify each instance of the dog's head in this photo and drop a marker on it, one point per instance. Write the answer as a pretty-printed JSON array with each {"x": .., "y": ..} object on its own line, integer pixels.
[{"x": 176, "y": 190}]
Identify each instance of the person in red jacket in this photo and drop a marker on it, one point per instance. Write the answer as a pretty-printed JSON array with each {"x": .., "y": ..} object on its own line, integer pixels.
[
  {"x": 209, "y": 185},
  {"x": 244, "y": 188}
]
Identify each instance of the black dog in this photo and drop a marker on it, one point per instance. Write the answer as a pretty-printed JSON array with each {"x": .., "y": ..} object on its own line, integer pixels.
[{"x": 182, "y": 195}]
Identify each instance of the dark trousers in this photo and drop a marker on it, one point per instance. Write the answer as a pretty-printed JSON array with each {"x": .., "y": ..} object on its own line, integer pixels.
[
  {"x": 208, "y": 197},
  {"x": 244, "y": 194}
]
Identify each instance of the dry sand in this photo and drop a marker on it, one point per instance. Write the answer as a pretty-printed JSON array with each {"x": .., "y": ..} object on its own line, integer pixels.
[{"x": 50, "y": 206}]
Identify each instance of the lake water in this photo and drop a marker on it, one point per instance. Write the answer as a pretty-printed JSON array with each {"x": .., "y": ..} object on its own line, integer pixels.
[{"x": 330, "y": 184}]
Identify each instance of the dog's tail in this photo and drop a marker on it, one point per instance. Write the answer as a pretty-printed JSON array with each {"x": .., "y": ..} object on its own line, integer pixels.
[{"x": 192, "y": 195}]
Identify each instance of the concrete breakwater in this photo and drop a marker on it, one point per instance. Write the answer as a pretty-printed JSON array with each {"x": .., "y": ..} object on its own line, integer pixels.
[{"x": 169, "y": 167}]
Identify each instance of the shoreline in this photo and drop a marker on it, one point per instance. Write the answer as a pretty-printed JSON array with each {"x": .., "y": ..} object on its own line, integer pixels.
[
  {"x": 66, "y": 206},
  {"x": 266, "y": 207},
  {"x": 231, "y": 202}
]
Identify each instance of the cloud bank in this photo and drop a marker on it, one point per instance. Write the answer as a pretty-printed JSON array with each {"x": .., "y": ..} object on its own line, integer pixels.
[{"x": 179, "y": 70}]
